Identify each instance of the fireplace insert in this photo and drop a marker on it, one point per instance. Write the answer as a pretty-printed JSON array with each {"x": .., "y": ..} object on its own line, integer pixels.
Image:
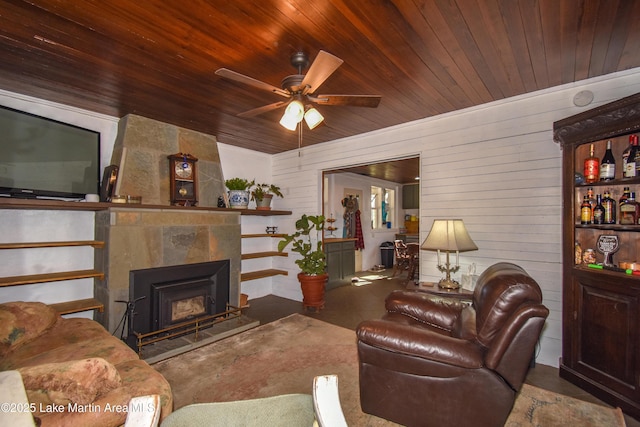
[{"x": 166, "y": 296}]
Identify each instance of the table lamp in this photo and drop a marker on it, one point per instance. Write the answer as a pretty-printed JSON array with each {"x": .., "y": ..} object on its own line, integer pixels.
[{"x": 448, "y": 235}]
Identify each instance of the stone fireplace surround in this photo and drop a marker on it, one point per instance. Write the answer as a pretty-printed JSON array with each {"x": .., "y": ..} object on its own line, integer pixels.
[
  {"x": 155, "y": 234},
  {"x": 140, "y": 238}
]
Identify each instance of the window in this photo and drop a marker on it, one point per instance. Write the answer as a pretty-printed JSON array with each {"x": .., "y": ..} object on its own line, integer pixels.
[{"x": 383, "y": 205}]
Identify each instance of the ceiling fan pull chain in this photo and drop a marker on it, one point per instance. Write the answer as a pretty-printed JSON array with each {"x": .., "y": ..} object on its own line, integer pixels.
[{"x": 299, "y": 138}]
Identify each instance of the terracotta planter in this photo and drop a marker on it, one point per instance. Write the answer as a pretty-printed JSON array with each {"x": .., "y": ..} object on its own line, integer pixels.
[
  {"x": 264, "y": 204},
  {"x": 313, "y": 290}
]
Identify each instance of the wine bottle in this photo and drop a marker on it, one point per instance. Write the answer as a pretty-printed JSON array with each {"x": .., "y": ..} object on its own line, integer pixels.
[
  {"x": 608, "y": 165},
  {"x": 592, "y": 201},
  {"x": 629, "y": 210},
  {"x": 585, "y": 211},
  {"x": 591, "y": 167},
  {"x": 609, "y": 206},
  {"x": 598, "y": 211},
  {"x": 629, "y": 157}
]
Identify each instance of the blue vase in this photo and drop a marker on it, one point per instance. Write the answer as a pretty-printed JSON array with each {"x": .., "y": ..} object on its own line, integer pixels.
[{"x": 238, "y": 199}]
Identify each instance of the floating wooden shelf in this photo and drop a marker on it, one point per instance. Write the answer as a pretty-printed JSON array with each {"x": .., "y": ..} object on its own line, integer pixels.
[
  {"x": 41, "y": 204},
  {"x": 30, "y": 245},
  {"x": 263, "y": 254},
  {"x": 249, "y": 236},
  {"x": 253, "y": 275},
  {"x": 50, "y": 277},
  {"x": 255, "y": 212},
  {"x": 78, "y": 306}
]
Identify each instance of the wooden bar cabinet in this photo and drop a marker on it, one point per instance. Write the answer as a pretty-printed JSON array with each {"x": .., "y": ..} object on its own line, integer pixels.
[{"x": 601, "y": 308}]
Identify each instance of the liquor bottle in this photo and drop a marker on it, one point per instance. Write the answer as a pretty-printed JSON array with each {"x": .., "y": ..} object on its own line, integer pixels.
[
  {"x": 608, "y": 165},
  {"x": 637, "y": 160},
  {"x": 609, "y": 206},
  {"x": 626, "y": 192},
  {"x": 629, "y": 210},
  {"x": 577, "y": 257},
  {"x": 629, "y": 158},
  {"x": 591, "y": 167},
  {"x": 585, "y": 211},
  {"x": 592, "y": 201},
  {"x": 598, "y": 211}
]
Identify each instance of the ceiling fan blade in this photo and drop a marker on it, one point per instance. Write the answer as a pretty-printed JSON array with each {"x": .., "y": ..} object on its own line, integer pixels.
[
  {"x": 263, "y": 109},
  {"x": 370, "y": 101},
  {"x": 322, "y": 67},
  {"x": 241, "y": 78}
]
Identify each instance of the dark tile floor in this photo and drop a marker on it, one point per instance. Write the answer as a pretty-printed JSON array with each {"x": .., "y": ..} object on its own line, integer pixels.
[{"x": 348, "y": 305}]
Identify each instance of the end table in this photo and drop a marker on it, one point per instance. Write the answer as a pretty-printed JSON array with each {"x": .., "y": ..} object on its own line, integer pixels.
[{"x": 461, "y": 295}]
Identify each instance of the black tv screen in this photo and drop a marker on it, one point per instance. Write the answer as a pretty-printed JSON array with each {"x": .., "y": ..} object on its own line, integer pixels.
[{"x": 45, "y": 158}]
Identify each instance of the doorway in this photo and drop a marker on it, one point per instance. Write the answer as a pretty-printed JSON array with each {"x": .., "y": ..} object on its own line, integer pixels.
[{"x": 395, "y": 176}]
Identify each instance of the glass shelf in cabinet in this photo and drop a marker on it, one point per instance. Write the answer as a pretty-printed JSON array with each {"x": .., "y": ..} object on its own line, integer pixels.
[
  {"x": 614, "y": 182},
  {"x": 612, "y": 227}
]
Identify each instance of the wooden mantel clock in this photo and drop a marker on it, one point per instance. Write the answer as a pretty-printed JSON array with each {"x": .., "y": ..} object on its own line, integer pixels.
[{"x": 182, "y": 181}]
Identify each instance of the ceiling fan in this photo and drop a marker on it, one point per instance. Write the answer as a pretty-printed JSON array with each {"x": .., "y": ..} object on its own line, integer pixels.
[{"x": 300, "y": 90}]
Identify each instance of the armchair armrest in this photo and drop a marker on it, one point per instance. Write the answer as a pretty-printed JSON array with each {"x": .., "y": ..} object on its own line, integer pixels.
[
  {"x": 424, "y": 308},
  {"x": 13, "y": 394},
  {"x": 405, "y": 339}
]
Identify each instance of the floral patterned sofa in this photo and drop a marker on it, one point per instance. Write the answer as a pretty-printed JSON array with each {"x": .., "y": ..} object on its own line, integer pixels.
[{"x": 74, "y": 371}]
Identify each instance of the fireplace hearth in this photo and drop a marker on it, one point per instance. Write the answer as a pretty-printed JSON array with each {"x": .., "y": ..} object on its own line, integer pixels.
[{"x": 166, "y": 297}]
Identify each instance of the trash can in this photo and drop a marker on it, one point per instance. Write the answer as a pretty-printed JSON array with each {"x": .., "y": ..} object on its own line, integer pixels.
[{"x": 386, "y": 254}]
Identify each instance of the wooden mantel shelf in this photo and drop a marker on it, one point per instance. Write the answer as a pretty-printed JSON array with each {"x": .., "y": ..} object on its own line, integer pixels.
[{"x": 40, "y": 204}]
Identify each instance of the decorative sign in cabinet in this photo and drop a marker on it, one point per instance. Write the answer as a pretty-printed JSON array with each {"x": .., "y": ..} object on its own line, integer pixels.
[{"x": 601, "y": 300}]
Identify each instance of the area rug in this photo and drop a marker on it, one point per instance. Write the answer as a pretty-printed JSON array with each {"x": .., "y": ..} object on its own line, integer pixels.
[
  {"x": 537, "y": 407},
  {"x": 284, "y": 356}
]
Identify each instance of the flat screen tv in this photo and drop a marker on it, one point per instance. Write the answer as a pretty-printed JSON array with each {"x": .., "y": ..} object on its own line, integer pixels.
[{"x": 44, "y": 158}]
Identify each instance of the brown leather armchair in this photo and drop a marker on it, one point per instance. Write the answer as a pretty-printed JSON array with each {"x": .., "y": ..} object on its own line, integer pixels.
[{"x": 439, "y": 362}]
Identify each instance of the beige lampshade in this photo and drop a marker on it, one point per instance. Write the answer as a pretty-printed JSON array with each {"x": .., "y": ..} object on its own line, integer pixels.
[{"x": 448, "y": 235}]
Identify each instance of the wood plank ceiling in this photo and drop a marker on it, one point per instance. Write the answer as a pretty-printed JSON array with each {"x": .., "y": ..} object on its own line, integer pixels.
[
  {"x": 157, "y": 58},
  {"x": 403, "y": 171}
]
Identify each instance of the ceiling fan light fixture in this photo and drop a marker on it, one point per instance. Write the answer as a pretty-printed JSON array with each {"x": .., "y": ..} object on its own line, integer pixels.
[
  {"x": 299, "y": 88},
  {"x": 293, "y": 115},
  {"x": 313, "y": 118},
  {"x": 288, "y": 122},
  {"x": 295, "y": 110}
]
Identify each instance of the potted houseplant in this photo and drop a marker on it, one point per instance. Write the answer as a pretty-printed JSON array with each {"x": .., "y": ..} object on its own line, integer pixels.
[
  {"x": 238, "y": 192},
  {"x": 263, "y": 194},
  {"x": 307, "y": 242}
]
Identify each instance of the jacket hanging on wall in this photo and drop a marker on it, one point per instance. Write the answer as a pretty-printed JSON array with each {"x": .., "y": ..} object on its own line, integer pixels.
[{"x": 352, "y": 223}]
